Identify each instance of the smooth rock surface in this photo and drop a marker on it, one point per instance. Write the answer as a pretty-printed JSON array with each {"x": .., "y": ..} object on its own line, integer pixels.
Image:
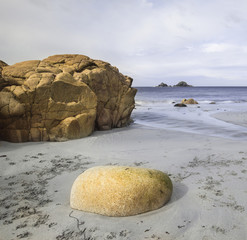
[{"x": 120, "y": 190}]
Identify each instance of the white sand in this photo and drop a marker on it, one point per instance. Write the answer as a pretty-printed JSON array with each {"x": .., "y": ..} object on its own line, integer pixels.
[{"x": 209, "y": 176}]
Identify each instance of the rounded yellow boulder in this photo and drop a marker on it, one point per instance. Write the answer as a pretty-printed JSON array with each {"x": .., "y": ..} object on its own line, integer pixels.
[
  {"x": 120, "y": 190},
  {"x": 189, "y": 101}
]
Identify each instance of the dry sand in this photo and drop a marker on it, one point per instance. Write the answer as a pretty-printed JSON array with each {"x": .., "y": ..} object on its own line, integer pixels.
[{"x": 209, "y": 176}]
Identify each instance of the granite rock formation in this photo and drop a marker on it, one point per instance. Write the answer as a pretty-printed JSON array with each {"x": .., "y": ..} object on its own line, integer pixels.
[
  {"x": 62, "y": 97},
  {"x": 189, "y": 101},
  {"x": 120, "y": 191}
]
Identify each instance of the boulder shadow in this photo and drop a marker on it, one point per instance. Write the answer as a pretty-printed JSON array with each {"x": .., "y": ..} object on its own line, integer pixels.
[{"x": 179, "y": 191}]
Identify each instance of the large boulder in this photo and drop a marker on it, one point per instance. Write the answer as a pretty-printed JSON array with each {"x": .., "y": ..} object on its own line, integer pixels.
[
  {"x": 62, "y": 97},
  {"x": 120, "y": 191}
]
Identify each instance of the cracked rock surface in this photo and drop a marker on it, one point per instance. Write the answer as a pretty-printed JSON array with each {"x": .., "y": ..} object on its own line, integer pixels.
[{"x": 62, "y": 97}]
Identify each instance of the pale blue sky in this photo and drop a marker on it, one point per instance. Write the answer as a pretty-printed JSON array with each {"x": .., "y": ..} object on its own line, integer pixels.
[{"x": 201, "y": 42}]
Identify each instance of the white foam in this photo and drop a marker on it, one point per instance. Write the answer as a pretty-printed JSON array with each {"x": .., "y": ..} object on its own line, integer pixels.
[{"x": 199, "y": 119}]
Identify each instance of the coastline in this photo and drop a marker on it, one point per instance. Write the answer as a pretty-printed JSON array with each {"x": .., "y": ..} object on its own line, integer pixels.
[{"x": 209, "y": 176}]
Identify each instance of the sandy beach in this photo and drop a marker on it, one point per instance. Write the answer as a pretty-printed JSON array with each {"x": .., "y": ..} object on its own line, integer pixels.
[
  {"x": 209, "y": 175},
  {"x": 92, "y": 92}
]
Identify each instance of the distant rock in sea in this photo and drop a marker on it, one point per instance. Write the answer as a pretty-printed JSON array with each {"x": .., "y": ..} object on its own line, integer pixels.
[
  {"x": 189, "y": 101},
  {"x": 182, "y": 84},
  {"x": 180, "y": 105},
  {"x": 162, "y": 85},
  {"x": 62, "y": 97}
]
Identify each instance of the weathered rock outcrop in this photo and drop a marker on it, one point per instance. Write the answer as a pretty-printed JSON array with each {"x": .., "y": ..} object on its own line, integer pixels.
[
  {"x": 120, "y": 191},
  {"x": 62, "y": 97}
]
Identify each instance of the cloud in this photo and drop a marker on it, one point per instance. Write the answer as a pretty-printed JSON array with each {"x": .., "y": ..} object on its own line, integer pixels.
[
  {"x": 147, "y": 39},
  {"x": 217, "y": 47}
]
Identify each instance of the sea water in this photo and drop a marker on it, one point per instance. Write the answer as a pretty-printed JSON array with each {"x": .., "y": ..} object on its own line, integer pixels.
[{"x": 155, "y": 108}]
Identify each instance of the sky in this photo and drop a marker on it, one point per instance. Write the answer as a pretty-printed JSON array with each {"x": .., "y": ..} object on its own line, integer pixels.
[{"x": 201, "y": 42}]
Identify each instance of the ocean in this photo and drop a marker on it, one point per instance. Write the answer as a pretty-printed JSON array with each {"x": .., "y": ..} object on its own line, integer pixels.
[{"x": 155, "y": 108}]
